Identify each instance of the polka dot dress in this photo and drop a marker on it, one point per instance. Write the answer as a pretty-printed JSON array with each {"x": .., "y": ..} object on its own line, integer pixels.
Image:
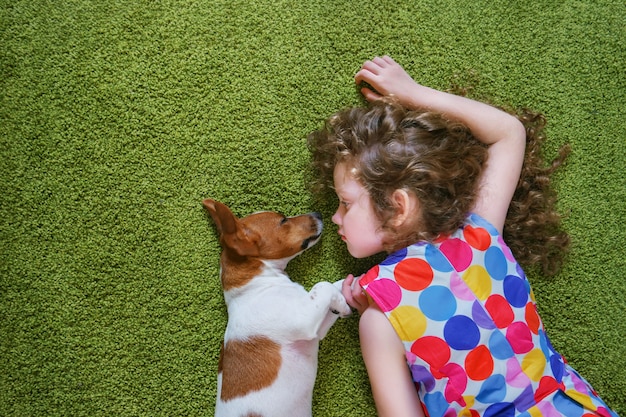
[{"x": 474, "y": 342}]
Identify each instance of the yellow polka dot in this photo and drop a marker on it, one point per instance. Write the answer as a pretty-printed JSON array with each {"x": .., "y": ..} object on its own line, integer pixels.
[
  {"x": 477, "y": 278},
  {"x": 469, "y": 401},
  {"x": 533, "y": 364},
  {"x": 534, "y": 412},
  {"x": 583, "y": 399},
  {"x": 409, "y": 322}
]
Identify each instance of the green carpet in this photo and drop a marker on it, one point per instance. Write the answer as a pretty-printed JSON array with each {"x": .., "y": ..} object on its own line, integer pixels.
[{"x": 118, "y": 117}]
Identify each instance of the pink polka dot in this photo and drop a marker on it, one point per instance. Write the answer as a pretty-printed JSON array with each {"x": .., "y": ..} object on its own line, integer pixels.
[
  {"x": 547, "y": 409},
  {"x": 458, "y": 252},
  {"x": 459, "y": 288},
  {"x": 579, "y": 384},
  {"x": 457, "y": 382},
  {"x": 386, "y": 293},
  {"x": 519, "y": 336},
  {"x": 515, "y": 376},
  {"x": 505, "y": 249}
]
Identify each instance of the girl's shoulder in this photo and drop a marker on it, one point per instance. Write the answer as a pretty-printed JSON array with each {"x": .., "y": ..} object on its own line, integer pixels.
[
  {"x": 474, "y": 227},
  {"x": 455, "y": 252}
]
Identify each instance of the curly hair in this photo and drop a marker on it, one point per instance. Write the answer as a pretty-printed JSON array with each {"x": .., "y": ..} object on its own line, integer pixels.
[{"x": 390, "y": 147}]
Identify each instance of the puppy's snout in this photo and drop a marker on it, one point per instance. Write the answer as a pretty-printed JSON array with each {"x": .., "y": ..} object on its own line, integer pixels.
[
  {"x": 317, "y": 221},
  {"x": 316, "y": 229}
]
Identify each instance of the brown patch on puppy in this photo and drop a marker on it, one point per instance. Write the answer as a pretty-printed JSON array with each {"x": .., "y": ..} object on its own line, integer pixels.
[
  {"x": 235, "y": 277},
  {"x": 249, "y": 365},
  {"x": 219, "y": 362}
]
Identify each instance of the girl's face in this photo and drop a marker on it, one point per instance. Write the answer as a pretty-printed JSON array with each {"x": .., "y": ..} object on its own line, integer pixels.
[{"x": 358, "y": 225}]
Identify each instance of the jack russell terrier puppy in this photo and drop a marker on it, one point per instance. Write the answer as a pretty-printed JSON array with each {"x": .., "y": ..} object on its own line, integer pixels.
[{"x": 268, "y": 361}]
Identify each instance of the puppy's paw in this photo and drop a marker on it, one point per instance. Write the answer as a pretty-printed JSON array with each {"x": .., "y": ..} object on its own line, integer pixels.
[{"x": 339, "y": 306}]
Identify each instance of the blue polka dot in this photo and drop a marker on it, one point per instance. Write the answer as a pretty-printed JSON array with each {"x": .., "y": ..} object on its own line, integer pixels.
[
  {"x": 493, "y": 390},
  {"x": 500, "y": 410},
  {"x": 567, "y": 406},
  {"x": 549, "y": 343},
  {"x": 499, "y": 347},
  {"x": 545, "y": 345},
  {"x": 461, "y": 333},
  {"x": 436, "y": 404},
  {"x": 481, "y": 318},
  {"x": 437, "y": 303},
  {"x": 479, "y": 221},
  {"x": 395, "y": 257},
  {"x": 437, "y": 260},
  {"x": 557, "y": 366},
  {"x": 515, "y": 291},
  {"x": 495, "y": 263}
]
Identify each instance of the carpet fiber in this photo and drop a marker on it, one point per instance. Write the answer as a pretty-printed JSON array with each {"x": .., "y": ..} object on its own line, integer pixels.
[{"x": 118, "y": 117}]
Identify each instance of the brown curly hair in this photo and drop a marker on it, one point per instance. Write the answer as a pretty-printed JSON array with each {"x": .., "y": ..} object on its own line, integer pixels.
[{"x": 391, "y": 147}]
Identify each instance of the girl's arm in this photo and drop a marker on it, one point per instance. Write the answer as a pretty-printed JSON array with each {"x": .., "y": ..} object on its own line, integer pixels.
[
  {"x": 393, "y": 388},
  {"x": 503, "y": 132}
]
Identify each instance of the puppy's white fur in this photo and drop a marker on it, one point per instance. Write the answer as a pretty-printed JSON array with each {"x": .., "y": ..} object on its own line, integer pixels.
[{"x": 268, "y": 364}]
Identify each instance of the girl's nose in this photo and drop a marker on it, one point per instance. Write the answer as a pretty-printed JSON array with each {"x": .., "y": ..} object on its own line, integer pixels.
[{"x": 336, "y": 218}]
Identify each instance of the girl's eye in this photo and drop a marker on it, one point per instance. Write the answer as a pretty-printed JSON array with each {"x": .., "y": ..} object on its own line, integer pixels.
[{"x": 344, "y": 203}]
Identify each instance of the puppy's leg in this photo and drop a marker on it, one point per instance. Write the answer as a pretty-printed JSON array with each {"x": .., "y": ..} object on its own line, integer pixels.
[{"x": 327, "y": 294}]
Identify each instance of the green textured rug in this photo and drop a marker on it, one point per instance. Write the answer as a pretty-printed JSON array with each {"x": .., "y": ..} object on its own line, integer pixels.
[{"x": 118, "y": 117}]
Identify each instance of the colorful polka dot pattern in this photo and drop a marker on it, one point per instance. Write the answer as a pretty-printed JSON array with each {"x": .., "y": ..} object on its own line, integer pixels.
[{"x": 474, "y": 342}]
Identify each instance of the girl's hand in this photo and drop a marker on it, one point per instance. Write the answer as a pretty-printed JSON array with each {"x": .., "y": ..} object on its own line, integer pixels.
[
  {"x": 387, "y": 78},
  {"x": 354, "y": 294}
]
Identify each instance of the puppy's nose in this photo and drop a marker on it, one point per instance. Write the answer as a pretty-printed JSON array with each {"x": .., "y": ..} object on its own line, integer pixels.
[{"x": 317, "y": 215}]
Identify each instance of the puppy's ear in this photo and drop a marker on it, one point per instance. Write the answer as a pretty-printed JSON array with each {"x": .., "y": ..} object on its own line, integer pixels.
[
  {"x": 222, "y": 216},
  {"x": 233, "y": 235}
]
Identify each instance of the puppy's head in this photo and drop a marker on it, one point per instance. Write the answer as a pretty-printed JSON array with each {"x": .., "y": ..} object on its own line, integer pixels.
[{"x": 265, "y": 235}]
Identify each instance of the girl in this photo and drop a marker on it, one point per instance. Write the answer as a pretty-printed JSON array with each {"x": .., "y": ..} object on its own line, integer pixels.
[{"x": 429, "y": 178}]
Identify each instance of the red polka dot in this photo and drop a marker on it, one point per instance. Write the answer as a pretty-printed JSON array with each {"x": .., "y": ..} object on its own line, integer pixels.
[
  {"x": 369, "y": 276},
  {"x": 532, "y": 318},
  {"x": 547, "y": 385},
  {"x": 479, "y": 363},
  {"x": 413, "y": 274},
  {"x": 477, "y": 237},
  {"x": 500, "y": 311},
  {"x": 519, "y": 337},
  {"x": 433, "y": 350}
]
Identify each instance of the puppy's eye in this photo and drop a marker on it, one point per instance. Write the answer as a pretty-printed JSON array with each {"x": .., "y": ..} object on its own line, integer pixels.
[{"x": 283, "y": 220}]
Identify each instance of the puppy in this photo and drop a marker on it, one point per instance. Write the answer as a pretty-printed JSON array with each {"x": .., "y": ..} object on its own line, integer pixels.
[{"x": 268, "y": 361}]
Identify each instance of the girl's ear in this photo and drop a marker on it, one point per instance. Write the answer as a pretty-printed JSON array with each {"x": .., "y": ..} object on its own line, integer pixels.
[{"x": 406, "y": 206}]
